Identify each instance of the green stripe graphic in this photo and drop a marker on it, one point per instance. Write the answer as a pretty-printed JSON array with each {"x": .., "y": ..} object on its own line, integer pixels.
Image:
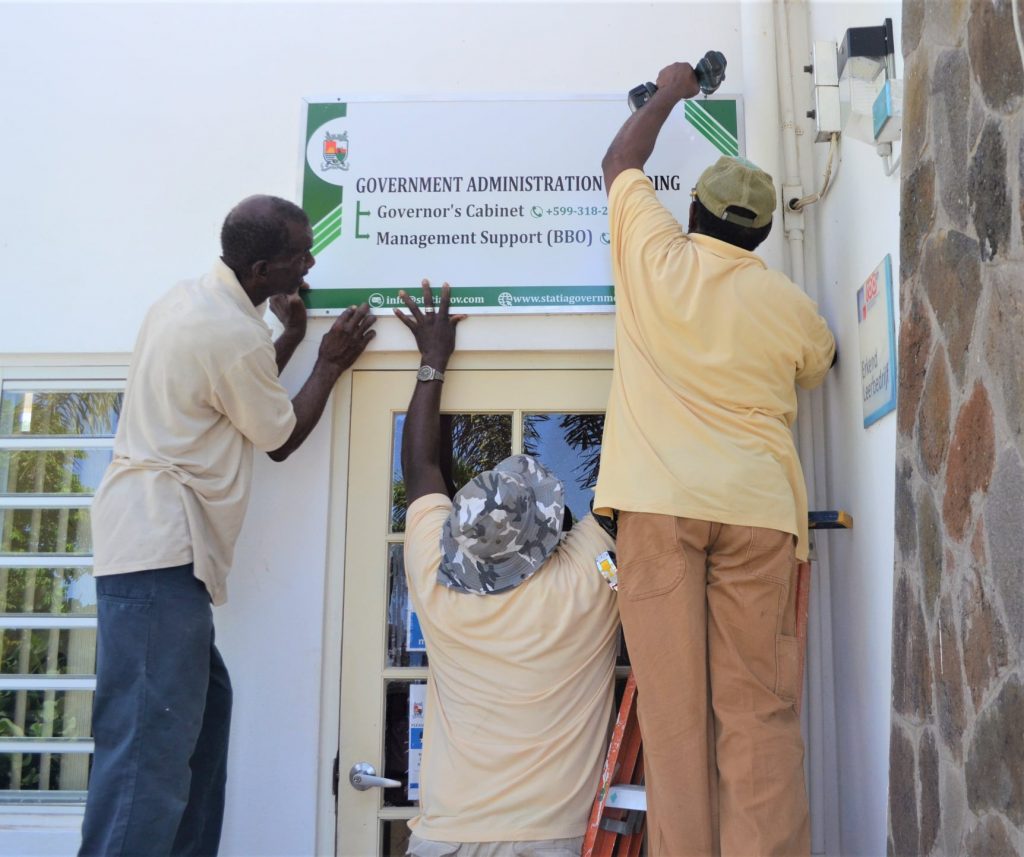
[
  {"x": 327, "y": 230},
  {"x": 717, "y": 133}
]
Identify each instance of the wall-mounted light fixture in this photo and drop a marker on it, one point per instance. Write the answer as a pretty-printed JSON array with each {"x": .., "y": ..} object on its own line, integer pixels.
[{"x": 856, "y": 92}]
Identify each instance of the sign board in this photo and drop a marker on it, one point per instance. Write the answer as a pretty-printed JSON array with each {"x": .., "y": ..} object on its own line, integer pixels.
[
  {"x": 503, "y": 199},
  {"x": 877, "y": 329}
]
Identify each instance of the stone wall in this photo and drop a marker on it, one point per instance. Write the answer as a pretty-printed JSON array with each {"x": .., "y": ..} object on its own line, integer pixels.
[{"x": 956, "y": 781}]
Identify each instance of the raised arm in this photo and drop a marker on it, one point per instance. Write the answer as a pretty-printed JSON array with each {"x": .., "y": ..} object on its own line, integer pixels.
[
  {"x": 291, "y": 312},
  {"x": 341, "y": 345},
  {"x": 421, "y": 438},
  {"x": 634, "y": 143}
]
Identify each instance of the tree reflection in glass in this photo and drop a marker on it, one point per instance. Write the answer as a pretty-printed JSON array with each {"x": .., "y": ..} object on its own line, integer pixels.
[
  {"x": 470, "y": 444},
  {"x": 570, "y": 446}
]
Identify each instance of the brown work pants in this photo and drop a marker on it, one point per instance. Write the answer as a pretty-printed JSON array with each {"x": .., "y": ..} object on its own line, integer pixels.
[{"x": 709, "y": 614}]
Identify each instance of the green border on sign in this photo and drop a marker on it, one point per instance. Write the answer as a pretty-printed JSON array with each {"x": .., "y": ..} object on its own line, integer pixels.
[
  {"x": 472, "y": 297},
  {"x": 322, "y": 200}
]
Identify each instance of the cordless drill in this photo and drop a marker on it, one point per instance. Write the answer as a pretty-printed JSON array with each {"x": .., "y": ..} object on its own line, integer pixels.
[{"x": 710, "y": 73}]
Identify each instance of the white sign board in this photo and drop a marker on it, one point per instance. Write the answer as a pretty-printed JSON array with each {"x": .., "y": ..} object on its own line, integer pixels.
[
  {"x": 877, "y": 330},
  {"x": 504, "y": 199}
]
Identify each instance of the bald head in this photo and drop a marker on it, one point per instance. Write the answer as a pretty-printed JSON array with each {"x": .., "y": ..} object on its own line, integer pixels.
[{"x": 257, "y": 229}]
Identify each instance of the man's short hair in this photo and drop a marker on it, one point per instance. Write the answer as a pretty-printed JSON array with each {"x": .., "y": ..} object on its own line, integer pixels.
[
  {"x": 747, "y": 237},
  {"x": 257, "y": 230}
]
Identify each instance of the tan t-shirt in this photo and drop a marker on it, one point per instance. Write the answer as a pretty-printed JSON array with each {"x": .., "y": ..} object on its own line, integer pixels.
[
  {"x": 520, "y": 690},
  {"x": 709, "y": 345},
  {"x": 202, "y": 391}
]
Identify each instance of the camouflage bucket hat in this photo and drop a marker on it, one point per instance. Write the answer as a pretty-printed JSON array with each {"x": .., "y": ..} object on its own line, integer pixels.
[
  {"x": 737, "y": 181},
  {"x": 504, "y": 524}
]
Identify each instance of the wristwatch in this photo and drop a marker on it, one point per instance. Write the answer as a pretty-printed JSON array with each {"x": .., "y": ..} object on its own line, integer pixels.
[{"x": 429, "y": 373}]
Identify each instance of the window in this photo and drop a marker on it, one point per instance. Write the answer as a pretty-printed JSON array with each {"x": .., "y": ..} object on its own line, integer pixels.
[{"x": 56, "y": 440}]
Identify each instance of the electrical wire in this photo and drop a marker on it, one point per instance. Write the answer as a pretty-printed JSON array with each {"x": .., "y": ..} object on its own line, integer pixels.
[{"x": 804, "y": 201}]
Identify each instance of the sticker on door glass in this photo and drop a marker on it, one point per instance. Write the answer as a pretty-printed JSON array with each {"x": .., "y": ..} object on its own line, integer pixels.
[{"x": 417, "y": 699}]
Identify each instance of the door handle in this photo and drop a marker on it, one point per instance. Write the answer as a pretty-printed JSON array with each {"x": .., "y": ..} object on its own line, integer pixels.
[{"x": 363, "y": 776}]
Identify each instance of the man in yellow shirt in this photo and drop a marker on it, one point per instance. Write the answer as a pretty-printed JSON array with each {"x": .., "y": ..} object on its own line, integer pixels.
[
  {"x": 699, "y": 462},
  {"x": 521, "y": 633},
  {"x": 203, "y": 393}
]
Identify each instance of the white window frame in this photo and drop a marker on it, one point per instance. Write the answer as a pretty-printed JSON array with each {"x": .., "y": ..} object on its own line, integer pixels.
[{"x": 26, "y": 809}]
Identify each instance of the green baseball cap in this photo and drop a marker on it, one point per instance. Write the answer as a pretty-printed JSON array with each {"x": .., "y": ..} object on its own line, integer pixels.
[{"x": 736, "y": 181}]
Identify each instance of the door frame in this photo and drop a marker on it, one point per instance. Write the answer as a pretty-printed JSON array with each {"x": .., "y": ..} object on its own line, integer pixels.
[{"x": 341, "y": 415}]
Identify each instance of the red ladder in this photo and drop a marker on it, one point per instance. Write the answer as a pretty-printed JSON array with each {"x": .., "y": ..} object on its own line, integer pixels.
[{"x": 615, "y": 832}]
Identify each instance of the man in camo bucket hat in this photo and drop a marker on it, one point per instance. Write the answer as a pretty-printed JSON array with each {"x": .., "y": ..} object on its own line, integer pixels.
[
  {"x": 504, "y": 524},
  {"x": 515, "y": 682}
]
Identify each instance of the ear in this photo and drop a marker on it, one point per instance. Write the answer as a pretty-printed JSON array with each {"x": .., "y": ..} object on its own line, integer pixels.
[{"x": 259, "y": 269}]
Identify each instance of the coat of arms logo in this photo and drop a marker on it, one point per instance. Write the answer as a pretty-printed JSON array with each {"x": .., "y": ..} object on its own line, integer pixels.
[{"x": 335, "y": 151}]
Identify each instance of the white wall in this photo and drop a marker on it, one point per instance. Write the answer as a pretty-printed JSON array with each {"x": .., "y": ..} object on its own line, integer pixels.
[
  {"x": 128, "y": 131},
  {"x": 856, "y": 225}
]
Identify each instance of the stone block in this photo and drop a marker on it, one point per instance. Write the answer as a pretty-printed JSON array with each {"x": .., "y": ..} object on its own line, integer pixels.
[
  {"x": 933, "y": 418},
  {"x": 951, "y": 100},
  {"x": 995, "y": 761},
  {"x": 931, "y": 809},
  {"x": 903, "y": 821},
  {"x": 946, "y": 22},
  {"x": 951, "y": 275},
  {"x": 917, "y": 213},
  {"x": 949, "y": 682},
  {"x": 916, "y": 100},
  {"x": 931, "y": 553},
  {"x": 988, "y": 194},
  {"x": 990, "y": 838},
  {"x": 971, "y": 458},
  {"x": 906, "y": 513},
  {"x": 913, "y": 24},
  {"x": 1004, "y": 344},
  {"x": 911, "y": 666},
  {"x": 1004, "y": 521},
  {"x": 986, "y": 650},
  {"x": 954, "y": 806},
  {"x": 915, "y": 342},
  {"x": 995, "y": 59}
]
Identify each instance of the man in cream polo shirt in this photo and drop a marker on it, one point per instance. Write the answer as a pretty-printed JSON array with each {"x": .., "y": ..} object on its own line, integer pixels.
[
  {"x": 202, "y": 394},
  {"x": 699, "y": 462},
  {"x": 521, "y": 633}
]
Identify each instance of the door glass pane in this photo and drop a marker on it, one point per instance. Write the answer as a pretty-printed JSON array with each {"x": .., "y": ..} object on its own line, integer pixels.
[
  {"x": 48, "y": 651},
  {"x": 403, "y": 708},
  {"x": 570, "y": 446},
  {"x": 58, "y": 471},
  {"x": 47, "y": 590},
  {"x": 63, "y": 531},
  {"x": 470, "y": 444},
  {"x": 394, "y": 837},
  {"x": 48, "y": 412},
  {"x": 406, "y": 647}
]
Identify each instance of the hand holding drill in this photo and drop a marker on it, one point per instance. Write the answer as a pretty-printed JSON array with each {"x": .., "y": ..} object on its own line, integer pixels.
[{"x": 706, "y": 77}]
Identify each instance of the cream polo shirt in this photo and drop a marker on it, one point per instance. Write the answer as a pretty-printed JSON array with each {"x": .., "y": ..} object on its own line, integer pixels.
[
  {"x": 520, "y": 690},
  {"x": 709, "y": 345},
  {"x": 202, "y": 391}
]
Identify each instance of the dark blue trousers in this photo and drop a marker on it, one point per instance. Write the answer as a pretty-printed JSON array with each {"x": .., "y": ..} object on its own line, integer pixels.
[{"x": 161, "y": 717}]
